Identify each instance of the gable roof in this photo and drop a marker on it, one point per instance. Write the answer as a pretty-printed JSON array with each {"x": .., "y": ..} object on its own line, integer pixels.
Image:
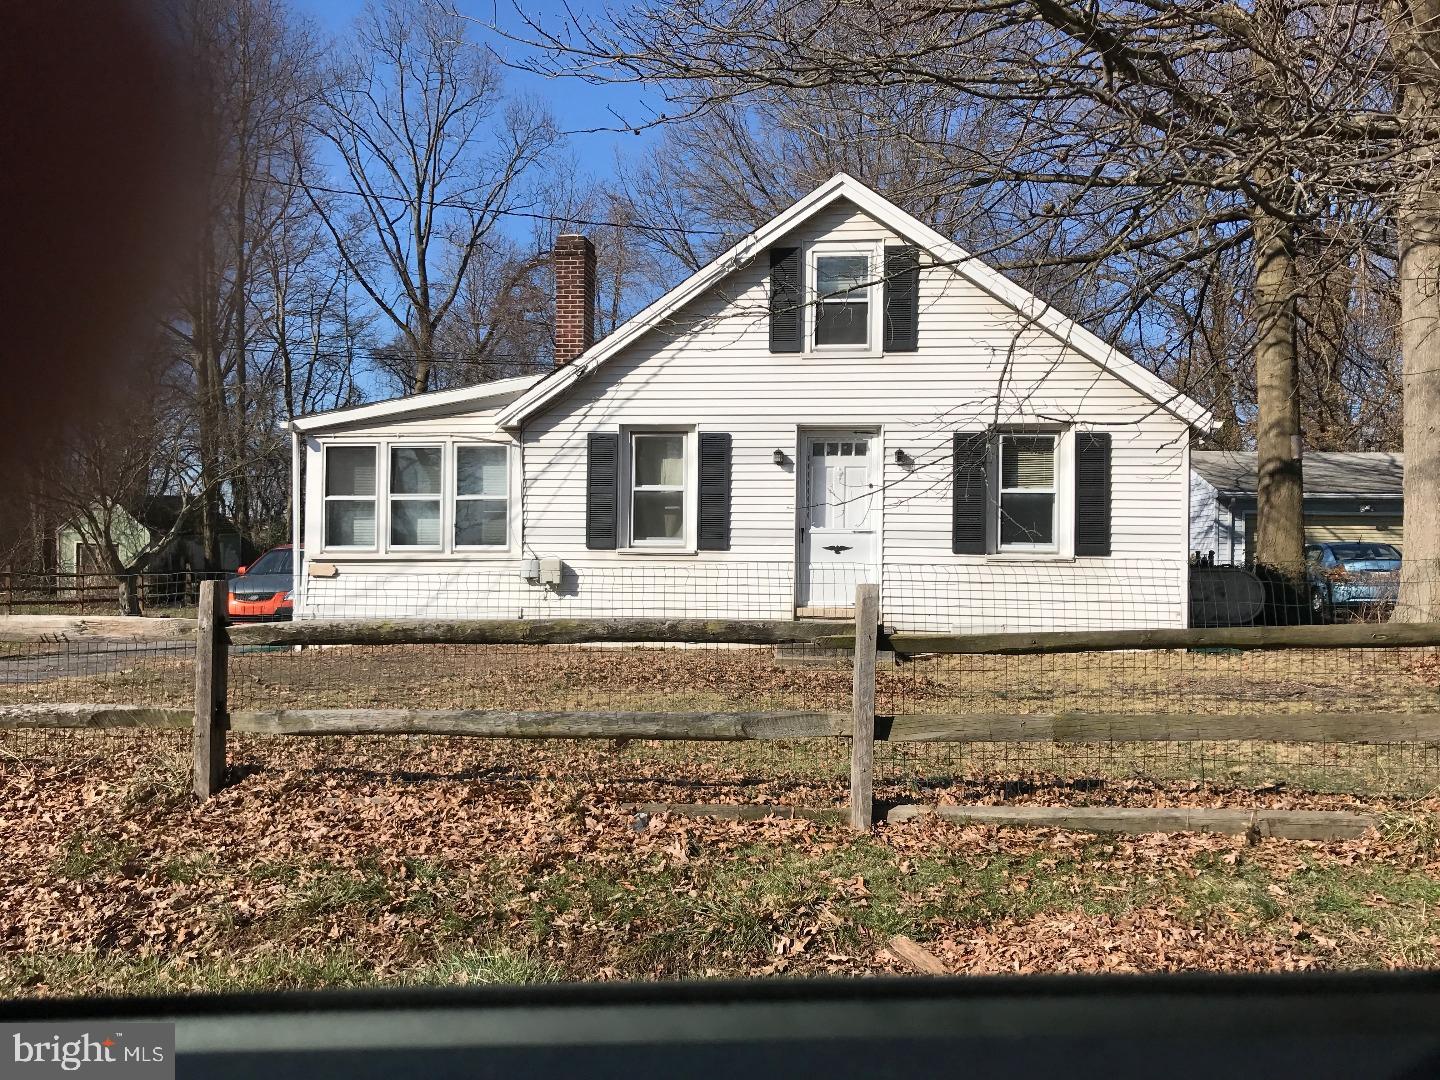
[
  {"x": 494, "y": 394},
  {"x": 842, "y": 186},
  {"x": 1233, "y": 472}
]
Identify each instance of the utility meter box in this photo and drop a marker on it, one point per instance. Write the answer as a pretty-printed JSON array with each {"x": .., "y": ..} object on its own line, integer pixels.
[
  {"x": 530, "y": 570},
  {"x": 551, "y": 571}
]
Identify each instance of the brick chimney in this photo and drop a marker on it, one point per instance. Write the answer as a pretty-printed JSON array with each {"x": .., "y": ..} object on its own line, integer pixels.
[{"x": 574, "y": 297}]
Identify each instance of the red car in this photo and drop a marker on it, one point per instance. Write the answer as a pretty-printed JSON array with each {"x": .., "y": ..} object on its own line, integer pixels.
[{"x": 261, "y": 592}]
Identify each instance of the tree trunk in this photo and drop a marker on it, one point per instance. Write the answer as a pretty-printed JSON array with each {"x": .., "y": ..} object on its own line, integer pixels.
[
  {"x": 129, "y": 594},
  {"x": 424, "y": 353},
  {"x": 1415, "y": 41},
  {"x": 1279, "y": 495},
  {"x": 1419, "y": 234}
]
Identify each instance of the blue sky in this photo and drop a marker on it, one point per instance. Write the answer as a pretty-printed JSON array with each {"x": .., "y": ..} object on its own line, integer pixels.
[{"x": 578, "y": 107}]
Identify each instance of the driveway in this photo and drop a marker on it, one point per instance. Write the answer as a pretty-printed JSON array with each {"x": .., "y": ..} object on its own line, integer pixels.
[{"x": 23, "y": 664}]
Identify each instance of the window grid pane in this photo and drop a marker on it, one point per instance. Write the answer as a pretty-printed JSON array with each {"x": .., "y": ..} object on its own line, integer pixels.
[
  {"x": 481, "y": 470},
  {"x": 415, "y": 470},
  {"x": 481, "y": 523},
  {"x": 1027, "y": 462},
  {"x": 659, "y": 515},
  {"x": 845, "y": 323},
  {"x": 1027, "y": 518},
  {"x": 659, "y": 461},
  {"x": 349, "y": 523},
  {"x": 841, "y": 274},
  {"x": 415, "y": 522},
  {"x": 350, "y": 470}
]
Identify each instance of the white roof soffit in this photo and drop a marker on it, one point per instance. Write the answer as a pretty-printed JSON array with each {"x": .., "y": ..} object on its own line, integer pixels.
[
  {"x": 494, "y": 393},
  {"x": 843, "y": 186}
]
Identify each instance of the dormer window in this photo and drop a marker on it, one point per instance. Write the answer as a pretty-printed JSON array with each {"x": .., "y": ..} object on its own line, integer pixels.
[
  {"x": 842, "y": 300},
  {"x": 842, "y": 290}
]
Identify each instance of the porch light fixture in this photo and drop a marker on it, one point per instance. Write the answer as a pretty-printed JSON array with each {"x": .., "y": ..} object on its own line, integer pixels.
[
  {"x": 779, "y": 457},
  {"x": 902, "y": 458}
]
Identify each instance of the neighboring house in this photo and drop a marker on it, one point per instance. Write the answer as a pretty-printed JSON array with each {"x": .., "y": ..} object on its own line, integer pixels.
[
  {"x": 1348, "y": 496},
  {"x": 133, "y": 529},
  {"x": 844, "y": 396}
]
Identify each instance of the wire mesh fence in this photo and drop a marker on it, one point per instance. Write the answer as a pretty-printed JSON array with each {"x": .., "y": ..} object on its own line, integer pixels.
[
  {"x": 36, "y": 593},
  {"x": 1101, "y": 764}
]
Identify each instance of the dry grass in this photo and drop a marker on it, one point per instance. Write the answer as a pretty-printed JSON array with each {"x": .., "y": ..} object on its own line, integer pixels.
[{"x": 395, "y": 861}]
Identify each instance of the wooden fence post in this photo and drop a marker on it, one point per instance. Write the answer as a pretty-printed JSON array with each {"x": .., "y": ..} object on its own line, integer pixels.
[
  {"x": 862, "y": 735},
  {"x": 212, "y": 655}
]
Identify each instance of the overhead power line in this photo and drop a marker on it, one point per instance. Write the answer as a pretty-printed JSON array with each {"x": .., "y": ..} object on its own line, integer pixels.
[{"x": 455, "y": 204}]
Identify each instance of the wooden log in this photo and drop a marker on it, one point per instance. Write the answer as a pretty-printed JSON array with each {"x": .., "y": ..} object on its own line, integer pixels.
[
  {"x": 499, "y": 724},
  {"x": 532, "y": 631},
  {"x": 1418, "y": 728},
  {"x": 211, "y": 671},
  {"x": 60, "y": 629},
  {"x": 1340, "y": 636},
  {"x": 1286, "y": 824},
  {"x": 915, "y": 956},
  {"x": 740, "y": 811},
  {"x": 862, "y": 732},
  {"x": 90, "y": 717}
]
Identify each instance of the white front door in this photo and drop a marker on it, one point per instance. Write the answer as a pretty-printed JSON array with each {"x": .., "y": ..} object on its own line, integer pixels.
[{"x": 839, "y": 516}]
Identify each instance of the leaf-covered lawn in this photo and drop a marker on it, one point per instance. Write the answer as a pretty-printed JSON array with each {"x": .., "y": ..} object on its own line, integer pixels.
[{"x": 384, "y": 862}]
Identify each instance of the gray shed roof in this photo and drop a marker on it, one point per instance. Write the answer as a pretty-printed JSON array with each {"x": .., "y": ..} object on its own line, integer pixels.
[{"x": 1232, "y": 472}]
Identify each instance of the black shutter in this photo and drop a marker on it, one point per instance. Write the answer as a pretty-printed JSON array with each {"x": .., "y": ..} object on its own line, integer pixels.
[
  {"x": 902, "y": 299},
  {"x": 1092, "y": 493},
  {"x": 786, "y": 307},
  {"x": 713, "y": 533},
  {"x": 602, "y": 490},
  {"x": 970, "y": 497}
]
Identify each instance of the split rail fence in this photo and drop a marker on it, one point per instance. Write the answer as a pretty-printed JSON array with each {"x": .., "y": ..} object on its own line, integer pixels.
[{"x": 211, "y": 720}]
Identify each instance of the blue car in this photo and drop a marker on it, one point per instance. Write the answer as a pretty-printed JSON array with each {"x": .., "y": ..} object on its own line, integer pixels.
[{"x": 1352, "y": 579}]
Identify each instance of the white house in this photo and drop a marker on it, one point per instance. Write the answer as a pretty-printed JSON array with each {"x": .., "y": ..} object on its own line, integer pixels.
[{"x": 844, "y": 396}]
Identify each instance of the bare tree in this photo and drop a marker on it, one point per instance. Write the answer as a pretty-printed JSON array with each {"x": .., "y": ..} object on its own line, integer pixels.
[
  {"x": 98, "y": 474},
  {"x": 249, "y": 68},
  {"x": 434, "y": 157}
]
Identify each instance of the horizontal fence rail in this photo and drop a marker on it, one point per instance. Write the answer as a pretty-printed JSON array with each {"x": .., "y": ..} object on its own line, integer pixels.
[
  {"x": 535, "y": 631},
  {"x": 1360, "y": 728},
  {"x": 1338, "y": 636},
  {"x": 832, "y": 634}
]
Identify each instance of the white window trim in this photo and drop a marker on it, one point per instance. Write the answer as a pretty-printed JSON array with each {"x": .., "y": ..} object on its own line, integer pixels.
[
  {"x": 326, "y": 498},
  {"x": 456, "y": 498},
  {"x": 1053, "y": 491},
  {"x": 382, "y": 550},
  {"x": 687, "y": 545},
  {"x": 874, "y": 251},
  {"x": 391, "y": 497},
  {"x": 1063, "y": 549}
]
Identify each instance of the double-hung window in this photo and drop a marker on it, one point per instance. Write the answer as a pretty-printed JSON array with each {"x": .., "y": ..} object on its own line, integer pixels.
[
  {"x": 657, "y": 489},
  {"x": 415, "y": 496},
  {"x": 481, "y": 496},
  {"x": 1027, "y": 501},
  {"x": 350, "y": 497},
  {"x": 842, "y": 299}
]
